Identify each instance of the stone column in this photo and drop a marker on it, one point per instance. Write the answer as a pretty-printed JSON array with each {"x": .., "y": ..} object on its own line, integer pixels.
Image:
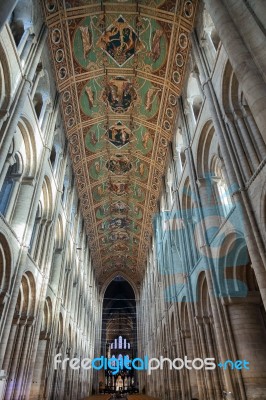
[
  {"x": 27, "y": 82},
  {"x": 39, "y": 75},
  {"x": 249, "y": 18},
  {"x": 12, "y": 375},
  {"x": 242, "y": 157},
  {"x": 195, "y": 384},
  {"x": 9, "y": 161},
  {"x": 27, "y": 48},
  {"x": 247, "y": 140},
  {"x": 207, "y": 321},
  {"x": 12, "y": 303},
  {"x": 11, "y": 341},
  {"x": 255, "y": 132},
  {"x": 205, "y": 354},
  {"x": 250, "y": 341},
  {"x": 23, "y": 358},
  {"x": 43, "y": 290},
  {"x": 247, "y": 73},
  {"x": 176, "y": 383},
  {"x": 6, "y": 9}
]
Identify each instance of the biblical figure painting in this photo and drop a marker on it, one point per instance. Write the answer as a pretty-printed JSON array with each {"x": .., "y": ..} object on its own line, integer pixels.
[
  {"x": 119, "y": 188},
  {"x": 119, "y": 135},
  {"x": 120, "y": 41},
  {"x": 119, "y": 94},
  {"x": 119, "y": 207},
  {"x": 119, "y": 164}
]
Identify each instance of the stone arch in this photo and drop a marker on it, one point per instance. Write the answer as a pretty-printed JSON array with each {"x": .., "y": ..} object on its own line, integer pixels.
[
  {"x": 59, "y": 233},
  {"x": 5, "y": 82},
  {"x": 41, "y": 97},
  {"x": 47, "y": 199},
  {"x": 47, "y": 318},
  {"x": 232, "y": 260},
  {"x": 203, "y": 151},
  {"x": 5, "y": 270},
  {"x": 203, "y": 303},
  {"x": 30, "y": 152},
  {"x": 111, "y": 277}
]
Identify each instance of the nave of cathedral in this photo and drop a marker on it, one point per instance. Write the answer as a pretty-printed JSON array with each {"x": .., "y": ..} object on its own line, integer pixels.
[{"x": 132, "y": 199}]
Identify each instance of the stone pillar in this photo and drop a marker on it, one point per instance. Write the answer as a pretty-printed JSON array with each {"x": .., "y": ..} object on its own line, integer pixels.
[
  {"x": 176, "y": 384},
  {"x": 14, "y": 118},
  {"x": 23, "y": 358},
  {"x": 195, "y": 385},
  {"x": 43, "y": 291},
  {"x": 250, "y": 341},
  {"x": 242, "y": 157},
  {"x": 247, "y": 140},
  {"x": 9, "y": 161},
  {"x": 249, "y": 18},
  {"x": 205, "y": 354},
  {"x": 27, "y": 48},
  {"x": 255, "y": 132},
  {"x": 12, "y": 375},
  {"x": 39, "y": 75},
  {"x": 6, "y": 9},
  {"x": 11, "y": 341},
  {"x": 212, "y": 351},
  {"x": 12, "y": 304},
  {"x": 247, "y": 73}
]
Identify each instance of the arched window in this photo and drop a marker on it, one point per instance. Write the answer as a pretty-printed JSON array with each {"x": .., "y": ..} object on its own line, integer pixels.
[
  {"x": 41, "y": 98},
  {"x": 222, "y": 192},
  {"x": 13, "y": 172},
  {"x": 194, "y": 96},
  {"x": 53, "y": 157},
  {"x": 36, "y": 228}
]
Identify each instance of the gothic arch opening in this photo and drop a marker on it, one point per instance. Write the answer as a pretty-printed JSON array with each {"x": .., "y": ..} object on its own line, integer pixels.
[{"x": 119, "y": 336}]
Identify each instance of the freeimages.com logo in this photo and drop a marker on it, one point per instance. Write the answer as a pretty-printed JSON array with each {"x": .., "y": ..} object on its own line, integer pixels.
[{"x": 146, "y": 364}]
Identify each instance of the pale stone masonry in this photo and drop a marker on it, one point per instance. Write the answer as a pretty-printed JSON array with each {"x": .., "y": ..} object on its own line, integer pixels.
[{"x": 204, "y": 291}]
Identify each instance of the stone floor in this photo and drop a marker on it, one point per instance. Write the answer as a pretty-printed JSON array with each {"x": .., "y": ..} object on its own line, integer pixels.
[{"x": 130, "y": 397}]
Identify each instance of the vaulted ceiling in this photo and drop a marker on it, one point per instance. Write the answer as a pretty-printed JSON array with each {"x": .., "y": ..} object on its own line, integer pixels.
[{"x": 119, "y": 67}]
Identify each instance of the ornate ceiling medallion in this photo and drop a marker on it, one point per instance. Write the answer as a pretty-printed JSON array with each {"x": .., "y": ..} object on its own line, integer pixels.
[
  {"x": 119, "y": 135},
  {"x": 119, "y": 94},
  {"x": 120, "y": 41},
  {"x": 119, "y": 164}
]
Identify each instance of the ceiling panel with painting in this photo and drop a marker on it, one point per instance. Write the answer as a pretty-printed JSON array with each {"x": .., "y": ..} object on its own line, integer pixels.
[{"x": 119, "y": 67}]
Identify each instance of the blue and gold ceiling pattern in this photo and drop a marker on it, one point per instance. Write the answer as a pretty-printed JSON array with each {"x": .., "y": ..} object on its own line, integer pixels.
[{"x": 119, "y": 67}]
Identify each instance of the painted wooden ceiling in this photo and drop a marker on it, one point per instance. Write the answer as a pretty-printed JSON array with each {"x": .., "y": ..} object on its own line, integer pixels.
[{"x": 119, "y": 67}]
